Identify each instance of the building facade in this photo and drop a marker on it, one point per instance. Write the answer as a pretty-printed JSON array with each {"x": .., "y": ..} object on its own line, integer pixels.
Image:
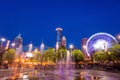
[
  {"x": 64, "y": 41},
  {"x": 59, "y": 37}
]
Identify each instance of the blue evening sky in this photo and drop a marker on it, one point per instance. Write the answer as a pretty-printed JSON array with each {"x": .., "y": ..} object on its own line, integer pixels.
[{"x": 37, "y": 20}]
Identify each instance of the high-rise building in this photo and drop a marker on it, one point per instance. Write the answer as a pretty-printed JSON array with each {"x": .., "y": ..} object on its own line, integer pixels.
[
  {"x": 18, "y": 41},
  {"x": 64, "y": 41},
  {"x": 18, "y": 44},
  {"x": 83, "y": 46},
  {"x": 59, "y": 36},
  {"x": 118, "y": 38}
]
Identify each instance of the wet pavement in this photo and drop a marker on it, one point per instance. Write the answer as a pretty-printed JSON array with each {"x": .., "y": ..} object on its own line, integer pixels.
[{"x": 65, "y": 75}]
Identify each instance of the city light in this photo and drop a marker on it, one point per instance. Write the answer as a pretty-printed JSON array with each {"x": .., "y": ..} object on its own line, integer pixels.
[
  {"x": 71, "y": 46},
  {"x": 13, "y": 44},
  {"x": 30, "y": 45},
  {"x": 100, "y": 41},
  {"x": 42, "y": 48},
  {"x": 84, "y": 47},
  {"x": 29, "y": 55},
  {"x": 42, "y": 45},
  {"x": 100, "y": 45},
  {"x": 3, "y": 39},
  {"x": 118, "y": 36}
]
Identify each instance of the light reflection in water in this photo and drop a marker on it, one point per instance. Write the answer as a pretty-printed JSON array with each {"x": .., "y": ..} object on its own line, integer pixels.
[{"x": 25, "y": 77}]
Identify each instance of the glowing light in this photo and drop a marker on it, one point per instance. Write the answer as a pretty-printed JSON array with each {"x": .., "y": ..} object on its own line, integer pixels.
[
  {"x": 118, "y": 36},
  {"x": 25, "y": 76},
  {"x": 42, "y": 45},
  {"x": 3, "y": 39},
  {"x": 84, "y": 46},
  {"x": 29, "y": 54},
  {"x": 30, "y": 45},
  {"x": 58, "y": 29},
  {"x": 100, "y": 41},
  {"x": 13, "y": 44},
  {"x": 100, "y": 44},
  {"x": 71, "y": 46}
]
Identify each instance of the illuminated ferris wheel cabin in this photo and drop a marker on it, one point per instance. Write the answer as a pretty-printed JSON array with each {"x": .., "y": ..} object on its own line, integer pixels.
[{"x": 100, "y": 41}]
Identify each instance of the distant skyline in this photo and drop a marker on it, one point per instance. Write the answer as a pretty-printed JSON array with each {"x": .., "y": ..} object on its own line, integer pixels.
[{"x": 37, "y": 20}]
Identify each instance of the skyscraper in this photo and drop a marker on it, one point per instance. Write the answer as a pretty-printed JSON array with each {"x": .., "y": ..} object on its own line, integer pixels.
[
  {"x": 84, "y": 41},
  {"x": 59, "y": 36},
  {"x": 18, "y": 44},
  {"x": 118, "y": 38},
  {"x": 64, "y": 41},
  {"x": 18, "y": 41}
]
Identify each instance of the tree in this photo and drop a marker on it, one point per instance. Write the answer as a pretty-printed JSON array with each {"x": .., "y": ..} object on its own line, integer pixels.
[
  {"x": 36, "y": 55},
  {"x": 115, "y": 52},
  {"x": 77, "y": 55},
  {"x": 10, "y": 55},
  {"x": 100, "y": 56},
  {"x": 49, "y": 55},
  {"x": 61, "y": 54}
]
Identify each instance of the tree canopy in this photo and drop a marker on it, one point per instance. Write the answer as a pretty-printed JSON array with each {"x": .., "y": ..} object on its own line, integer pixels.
[
  {"x": 10, "y": 55},
  {"x": 115, "y": 52},
  {"x": 36, "y": 55},
  {"x": 100, "y": 56},
  {"x": 77, "y": 55},
  {"x": 49, "y": 55}
]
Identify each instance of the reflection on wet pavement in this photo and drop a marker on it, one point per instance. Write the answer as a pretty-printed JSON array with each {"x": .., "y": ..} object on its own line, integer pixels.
[{"x": 72, "y": 75}]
